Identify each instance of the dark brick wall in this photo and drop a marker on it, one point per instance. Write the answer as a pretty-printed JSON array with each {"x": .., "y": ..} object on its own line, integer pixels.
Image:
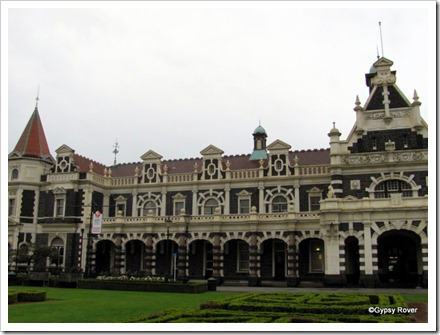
[
  {"x": 399, "y": 136},
  {"x": 27, "y": 205},
  {"x": 170, "y": 202},
  {"x": 304, "y": 196},
  {"x": 128, "y": 205},
  {"x": 233, "y": 197},
  {"x": 396, "y": 100},
  {"x": 97, "y": 201},
  {"x": 230, "y": 262},
  {"x": 41, "y": 239}
]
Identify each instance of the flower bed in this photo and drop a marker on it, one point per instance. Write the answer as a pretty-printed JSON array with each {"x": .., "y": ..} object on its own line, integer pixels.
[{"x": 147, "y": 284}]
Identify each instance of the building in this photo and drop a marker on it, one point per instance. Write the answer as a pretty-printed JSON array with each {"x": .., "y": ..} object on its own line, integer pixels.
[{"x": 353, "y": 214}]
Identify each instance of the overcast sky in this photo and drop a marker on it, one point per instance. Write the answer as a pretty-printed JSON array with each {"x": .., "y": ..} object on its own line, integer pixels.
[{"x": 175, "y": 80}]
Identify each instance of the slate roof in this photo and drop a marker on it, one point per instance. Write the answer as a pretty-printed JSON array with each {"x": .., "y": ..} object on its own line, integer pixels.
[
  {"x": 237, "y": 162},
  {"x": 32, "y": 142}
]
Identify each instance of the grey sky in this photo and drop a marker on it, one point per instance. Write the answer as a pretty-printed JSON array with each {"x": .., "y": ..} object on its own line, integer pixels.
[{"x": 175, "y": 80}]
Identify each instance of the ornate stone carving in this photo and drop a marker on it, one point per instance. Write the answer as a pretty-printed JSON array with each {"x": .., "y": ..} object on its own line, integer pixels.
[{"x": 406, "y": 156}]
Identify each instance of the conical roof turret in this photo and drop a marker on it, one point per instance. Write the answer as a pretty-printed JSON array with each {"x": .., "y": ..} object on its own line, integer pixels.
[{"x": 32, "y": 142}]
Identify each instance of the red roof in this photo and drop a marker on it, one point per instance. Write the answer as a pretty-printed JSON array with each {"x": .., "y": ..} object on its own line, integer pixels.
[
  {"x": 238, "y": 162},
  {"x": 33, "y": 140}
]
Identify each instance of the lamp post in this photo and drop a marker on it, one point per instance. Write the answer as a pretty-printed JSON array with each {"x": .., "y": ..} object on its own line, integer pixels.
[
  {"x": 89, "y": 243},
  {"x": 73, "y": 263},
  {"x": 19, "y": 228}
]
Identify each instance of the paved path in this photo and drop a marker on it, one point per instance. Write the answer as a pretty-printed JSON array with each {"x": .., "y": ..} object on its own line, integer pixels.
[{"x": 321, "y": 289}]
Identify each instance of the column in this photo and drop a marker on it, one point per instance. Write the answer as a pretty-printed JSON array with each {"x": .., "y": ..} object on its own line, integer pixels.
[
  {"x": 149, "y": 260},
  {"x": 119, "y": 255},
  {"x": 217, "y": 258},
  {"x": 366, "y": 267},
  {"x": 182, "y": 258},
  {"x": 254, "y": 263},
  {"x": 292, "y": 275}
]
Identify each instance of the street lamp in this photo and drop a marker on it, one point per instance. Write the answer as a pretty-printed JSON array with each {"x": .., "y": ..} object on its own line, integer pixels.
[{"x": 19, "y": 228}]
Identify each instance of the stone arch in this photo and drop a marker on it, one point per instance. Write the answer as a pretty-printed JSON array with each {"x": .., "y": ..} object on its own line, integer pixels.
[{"x": 389, "y": 176}]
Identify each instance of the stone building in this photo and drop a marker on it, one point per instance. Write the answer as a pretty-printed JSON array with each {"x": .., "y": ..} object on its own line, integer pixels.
[{"x": 353, "y": 214}]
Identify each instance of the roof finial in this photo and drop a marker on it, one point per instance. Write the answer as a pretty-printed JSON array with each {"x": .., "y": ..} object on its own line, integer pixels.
[
  {"x": 37, "y": 98},
  {"x": 381, "y": 42},
  {"x": 115, "y": 151}
]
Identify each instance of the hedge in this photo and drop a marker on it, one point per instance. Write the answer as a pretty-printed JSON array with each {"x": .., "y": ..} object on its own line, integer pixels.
[
  {"x": 24, "y": 296},
  {"x": 133, "y": 285},
  {"x": 289, "y": 308}
]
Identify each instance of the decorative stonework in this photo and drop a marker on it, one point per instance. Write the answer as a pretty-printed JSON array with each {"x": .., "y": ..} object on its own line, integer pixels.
[
  {"x": 407, "y": 156},
  {"x": 381, "y": 115},
  {"x": 355, "y": 184}
]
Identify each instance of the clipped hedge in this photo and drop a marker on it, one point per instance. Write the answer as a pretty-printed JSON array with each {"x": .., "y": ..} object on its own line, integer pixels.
[
  {"x": 145, "y": 286},
  {"x": 26, "y": 296},
  {"x": 12, "y": 297},
  {"x": 290, "y": 308}
]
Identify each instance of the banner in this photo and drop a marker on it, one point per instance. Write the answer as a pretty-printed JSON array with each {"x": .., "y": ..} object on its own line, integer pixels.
[{"x": 97, "y": 222}]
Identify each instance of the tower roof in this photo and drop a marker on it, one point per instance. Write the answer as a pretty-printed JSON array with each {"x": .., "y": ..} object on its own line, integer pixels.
[{"x": 32, "y": 142}]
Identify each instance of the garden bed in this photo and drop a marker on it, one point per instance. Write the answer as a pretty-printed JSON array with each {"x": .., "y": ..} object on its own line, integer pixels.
[{"x": 291, "y": 308}]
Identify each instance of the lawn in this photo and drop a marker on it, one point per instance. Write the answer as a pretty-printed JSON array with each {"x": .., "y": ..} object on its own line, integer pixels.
[
  {"x": 105, "y": 306},
  {"x": 84, "y": 306}
]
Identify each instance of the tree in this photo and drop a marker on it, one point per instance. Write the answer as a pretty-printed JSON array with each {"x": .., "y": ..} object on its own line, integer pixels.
[{"x": 36, "y": 253}]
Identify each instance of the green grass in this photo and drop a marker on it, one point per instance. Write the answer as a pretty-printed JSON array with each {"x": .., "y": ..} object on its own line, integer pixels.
[
  {"x": 84, "y": 306},
  {"x": 415, "y": 297},
  {"x": 104, "y": 306}
]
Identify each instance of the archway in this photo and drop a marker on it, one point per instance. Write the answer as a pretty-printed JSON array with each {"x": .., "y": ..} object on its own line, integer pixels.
[
  {"x": 166, "y": 258},
  {"x": 200, "y": 259},
  {"x": 352, "y": 265},
  {"x": 105, "y": 257},
  {"x": 134, "y": 255},
  {"x": 311, "y": 260},
  {"x": 236, "y": 259},
  {"x": 273, "y": 259},
  {"x": 399, "y": 258}
]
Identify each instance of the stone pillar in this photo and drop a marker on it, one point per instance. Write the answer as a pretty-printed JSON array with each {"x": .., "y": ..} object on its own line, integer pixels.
[
  {"x": 217, "y": 258},
  {"x": 292, "y": 275},
  {"x": 366, "y": 267},
  {"x": 254, "y": 264},
  {"x": 182, "y": 258},
  {"x": 119, "y": 255},
  {"x": 227, "y": 199},
  {"x": 149, "y": 256},
  {"x": 262, "y": 206}
]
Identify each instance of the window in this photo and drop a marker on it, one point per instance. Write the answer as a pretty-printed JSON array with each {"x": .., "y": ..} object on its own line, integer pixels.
[
  {"x": 316, "y": 256},
  {"x": 243, "y": 256},
  {"x": 244, "y": 206},
  {"x": 314, "y": 203},
  {"x": 11, "y": 208},
  {"x": 279, "y": 204},
  {"x": 57, "y": 258},
  {"x": 178, "y": 206},
  {"x": 14, "y": 174},
  {"x": 387, "y": 187},
  {"x": 210, "y": 206},
  {"x": 149, "y": 205},
  {"x": 278, "y": 165},
  {"x": 59, "y": 207}
]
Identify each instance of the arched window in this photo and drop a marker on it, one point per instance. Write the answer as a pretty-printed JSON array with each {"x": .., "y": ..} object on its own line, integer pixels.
[
  {"x": 58, "y": 257},
  {"x": 150, "y": 205},
  {"x": 388, "y": 187},
  {"x": 279, "y": 204},
  {"x": 14, "y": 174},
  {"x": 210, "y": 206}
]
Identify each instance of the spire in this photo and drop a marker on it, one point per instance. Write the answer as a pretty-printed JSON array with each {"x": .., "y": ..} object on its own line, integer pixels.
[
  {"x": 260, "y": 136},
  {"x": 115, "y": 151},
  {"x": 33, "y": 141}
]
